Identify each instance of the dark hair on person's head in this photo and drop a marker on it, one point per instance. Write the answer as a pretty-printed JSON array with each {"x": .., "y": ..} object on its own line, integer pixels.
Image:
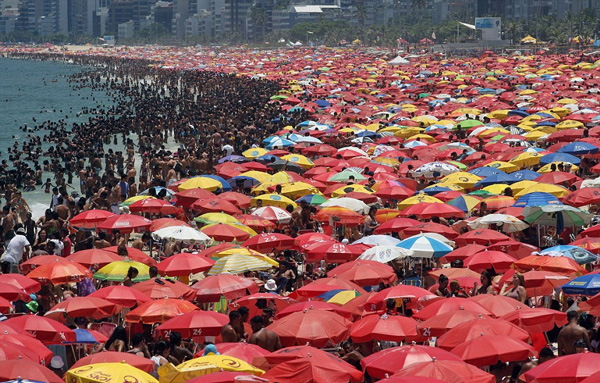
[
  {"x": 243, "y": 310},
  {"x": 572, "y": 315},
  {"x": 442, "y": 278},
  {"x": 390, "y": 304},
  {"x": 258, "y": 320},
  {"x": 174, "y": 339},
  {"x": 160, "y": 347},
  {"x": 153, "y": 271},
  {"x": 132, "y": 272},
  {"x": 546, "y": 353},
  {"x": 137, "y": 339},
  {"x": 233, "y": 315},
  {"x": 119, "y": 333}
]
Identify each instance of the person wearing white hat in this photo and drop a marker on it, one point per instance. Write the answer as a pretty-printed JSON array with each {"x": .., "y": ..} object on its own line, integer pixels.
[
  {"x": 271, "y": 286},
  {"x": 57, "y": 364}
]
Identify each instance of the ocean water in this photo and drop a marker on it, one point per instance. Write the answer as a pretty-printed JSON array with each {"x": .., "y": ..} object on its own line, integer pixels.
[{"x": 35, "y": 91}]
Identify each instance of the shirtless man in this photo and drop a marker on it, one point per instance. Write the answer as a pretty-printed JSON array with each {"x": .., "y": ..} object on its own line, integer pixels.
[
  {"x": 64, "y": 214},
  {"x": 262, "y": 337},
  {"x": 546, "y": 354},
  {"x": 571, "y": 333},
  {"x": 228, "y": 332}
]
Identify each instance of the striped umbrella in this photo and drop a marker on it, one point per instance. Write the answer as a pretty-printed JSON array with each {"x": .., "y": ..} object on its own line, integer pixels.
[
  {"x": 238, "y": 264},
  {"x": 425, "y": 247}
]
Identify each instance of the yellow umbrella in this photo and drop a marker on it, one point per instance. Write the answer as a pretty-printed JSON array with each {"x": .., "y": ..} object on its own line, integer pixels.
[
  {"x": 566, "y": 101},
  {"x": 422, "y": 136},
  {"x": 117, "y": 271},
  {"x": 496, "y": 188},
  {"x": 562, "y": 112},
  {"x": 202, "y": 183},
  {"x": 343, "y": 297},
  {"x": 295, "y": 190},
  {"x": 548, "y": 167},
  {"x": 255, "y": 152},
  {"x": 409, "y": 131},
  {"x": 460, "y": 111},
  {"x": 521, "y": 185},
  {"x": 136, "y": 198},
  {"x": 568, "y": 124},
  {"x": 238, "y": 264},
  {"x": 526, "y": 159},
  {"x": 299, "y": 159},
  {"x": 351, "y": 188},
  {"x": 535, "y": 135},
  {"x": 108, "y": 373},
  {"x": 205, "y": 365},
  {"x": 259, "y": 176},
  {"x": 274, "y": 200},
  {"x": 248, "y": 252},
  {"x": 281, "y": 178},
  {"x": 462, "y": 179},
  {"x": 417, "y": 199},
  {"x": 500, "y": 114},
  {"x": 493, "y": 131},
  {"x": 555, "y": 190},
  {"x": 208, "y": 218},
  {"x": 389, "y": 161},
  {"x": 506, "y": 167},
  {"x": 264, "y": 187}
]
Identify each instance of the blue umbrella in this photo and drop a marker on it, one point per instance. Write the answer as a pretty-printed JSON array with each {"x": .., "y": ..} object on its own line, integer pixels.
[
  {"x": 518, "y": 112},
  {"x": 495, "y": 179},
  {"x": 559, "y": 157},
  {"x": 578, "y": 148},
  {"x": 537, "y": 199},
  {"x": 233, "y": 158},
  {"x": 266, "y": 158},
  {"x": 323, "y": 103},
  {"x": 279, "y": 143},
  {"x": 486, "y": 171},
  {"x": 223, "y": 181},
  {"x": 585, "y": 285},
  {"x": 525, "y": 174},
  {"x": 367, "y": 133},
  {"x": 546, "y": 123},
  {"x": 425, "y": 247},
  {"x": 576, "y": 253},
  {"x": 244, "y": 180},
  {"x": 84, "y": 336},
  {"x": 433, "y": 190},
  {"x": 330, "y": 294}
]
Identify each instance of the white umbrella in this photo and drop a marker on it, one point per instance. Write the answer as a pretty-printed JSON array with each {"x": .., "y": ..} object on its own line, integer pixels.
[
  {"x": 378, "y": 240},
  {"x": 309, "y": 140},
  {"x": 425, "y": 246},
  {"x": 385, "y": 254},
  {"x": 441, "y": 168},
  {"x": 181, "y": 233},
  {"x": 273, "y": 214},
  {"x": 353, "y": 204},
  {"x": 510, "y": 224}
]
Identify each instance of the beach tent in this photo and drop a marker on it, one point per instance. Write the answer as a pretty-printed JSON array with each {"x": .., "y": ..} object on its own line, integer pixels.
[
  {"x": 528, "y": 40},
  {"x": 399, "y": 61}
]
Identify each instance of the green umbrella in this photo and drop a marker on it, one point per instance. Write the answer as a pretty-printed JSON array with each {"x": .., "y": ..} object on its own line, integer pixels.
[
  {"x": 459, "y": 165},
  {"x": 482, "y": 193},
  {"x": 467, "y": 124},
  {"x": 345, "y": 175},
  {"x": 279, "y": 97},
  {"x": 556, "y": 215},
  {"x": 423, "y": 95}
]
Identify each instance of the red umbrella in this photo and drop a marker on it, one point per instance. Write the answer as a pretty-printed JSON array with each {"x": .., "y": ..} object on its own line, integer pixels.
[
  {"x": 93, "y": 307},
  {"x": 11, "y": 351},
  {"x": 6, "y": 329},
  {"x": 40, "y": 352},
  {"x": 561, "y": 265},
  {"x": 582, "y": 197},
  {"x": 159, "y": 288},
  {"x": 312, "y": 327},
  {"x": 498, "y": 305},
  {"x": 158, "y": 311},
  {"x": 90, "y": 219},
  {"x": 398, "y": 292},
  {"x": 183, "y": 264},
  {"x": 412, "y": 379},
  {"x": 486, "y": 350},
  {"x": 161, "y": 223},
  {"x": 322, "y": 285},
  {"x": 430, "y": 227},
  {"x": 27, "y": 370},
  {"x": 94, "y": 258},
  {"x": 426, "y": 210},
  {"x": 438, "y": 325},
  {"x": 481, "y": 236},
  {"x": 251, "y": 301},
  {"x": 454, "y": 272},
  {"x": 215, "y": 205},
  {"x": 193, "y": 324},
  {"x": 46, "y": 330},
  {"x": 257, "y": 224},
  {"x": 334, "y": 253},
  {"x": 21, "y": 281},
  {"x": 134, "y": 255},
  {"x": 5, "y": 306},
  {"x": 228, "y": 377},
  {"x": 126, "y": 223},
  {"x": 463, "y": 252},
  {"x": 475, "y": 328},
  {"x": 37, "y": 261},
  {"x": 269, "y": 241},
  {"x": 117, "y": 357},
  {"x": 565, "y": 369},
  {"x": 243, "y": 351},
  {"x": 211, "y": 289},
  {"x": 156, "y": 206},
  {"x": 485, "y": 260},
  {"x": 589, "y": 243},
  {"x": 537, "y": 319},
  {"x": 237, "y": 199},
  {"x": 13, "y": 293},
  {"x": 186, "y": 198},
  {"x": 311, "y": 237},
  {"x": 224, "y": 232},
  {"x": 393, "y": 328},
  {"x": 447, "y": 370},
  {"x": 386, "y": 362},
  {"x": 61, "y": 271},
  {"x": 313, "y": 370},
  {"x": 313, "y": 305},
  {"x": 121, "y": 295},
  {"x": 557, "y": 178},
  {"x": 398, "y": 193},
  {"x": 450, "y": 305},
  {"x": 295, "y": 352},
  {"x": 364, "y": 273}
]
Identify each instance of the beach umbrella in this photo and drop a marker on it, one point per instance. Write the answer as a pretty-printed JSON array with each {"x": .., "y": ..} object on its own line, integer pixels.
[
  {"x": 377, "y": 239},
  {"x": 108, "y": 372},
  {"x": 560, "y": 216},
  {"x": 269, "y": 241},
  {"x": 228, "y": 377},
  {"x": 312, "y": 327},
  {"x": 536, "y": 320},
  {"x": 273, "y": 214},
  {"x": 158, "y": 288},
  {"x": 204, "y": 365},
  {"x": 160, "y": 223},
  {"x": 364, "y": 273},
  {"x": 238, "y": 264},
  {"x": 232, "y": 158},
  {"x": 464, "y": 252},
  {"x": 153, "y": 205},
  {"x": 46, "y": 330},
  {"x": 243, "y": 351},
  {"x": 399, "y": 293},
  {"x": 430, "y": 229},
  {"x": 90, "y": 219},
  {"x": 385, "y": 254},
  {"x": 498, "y": 305},
  {"x": 158, "y": 311},
  {"x": 591, "y": 244},
  {"x": 193, "y": 324},
  {"x": 225, "y": 232},
  {"x": 339, "y": 215},
  {"x": 560, "y": 157},
  {"x": 562, "y": 265},
  {"x": 236, "y": 198},
  {"x": 13, "y": 293},
  {"x": 447, "y": 371},
  {"x": 573, "y": 368},
  {"x": 576, "y": 253},
  {"x": 486, "y": 350},
  {"x": 315, "y": 305},
  {"x": 257, "y": 224},
  {"x": 117, "y": 271},
  {"x": 486, "y": 260},
  {"x": 465, "y": 203},
  {"x": 585, "y": 285},
  {"x": 537, "y": 199},
  {"x": 425, "y": 210},
  {"x": 21, "y": 282},
  {"x": 92, "y": 307},
  {"x": 250, "y": 301},
  {"x": 508, "y": 223},
  {"x": 313, "y": 369},
  {"x": 476, "y": 328},
  {"x": 385, "y": 362},
  {"x": 450, "y": 305},
  {"x": 105, "y": 356},
  {"x": 134, "y": 255},
  {"x": 184, "y": 264},
  {"x": 393, "y": 328},
  {"x": 125, "y": 223},
  {"x": 94, "y": 258},
  {"x": 440, "y": 324},
  {"x": 215, "y": 205},
  {"x": 419, "y": 198},
  {"x": 434, "y": 169},
  {"x": 181, "y": 233},
  {"x": 121, "y": 295},
  {"x": 578, "y": 148},
  {"x": 273, "y": 200},
  {"x": 334, "y": 252},
  {"x": 27, "y": 344},
  {"x": 211, "y": 289},
  {"x": 582, "y": 197},
  {"x": 24, "y": 369},
  {"x": 396, "y": 225},
  {"x": 481, "y": 237},
  {"x": 425, "y": 247},
  {"x": 348, "y": 203},
  {"x": 60, "y": 271}
]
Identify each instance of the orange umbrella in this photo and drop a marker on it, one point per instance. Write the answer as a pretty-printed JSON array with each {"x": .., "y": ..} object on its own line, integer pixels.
[
  {"x": 589, "y": 243},
  {"x": 316, "y": 328},
  {"x": 561, "y": 265},
  {"x": 161, "y": 223},
  {"x": 117, "y": 357},
  {"x": 158, "y": 288},
  {"x": 159, "y": 311},
  {"x": 385, "y": 215},
  {"x": 38, "y": 260},
  {"x": 94, "y": 258},
  {"x": 453, "y": 272},
  {"x": 498, "y": 202},
  {"x": 93, "y": 307},
  {"x": 62, "y": 271}
]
